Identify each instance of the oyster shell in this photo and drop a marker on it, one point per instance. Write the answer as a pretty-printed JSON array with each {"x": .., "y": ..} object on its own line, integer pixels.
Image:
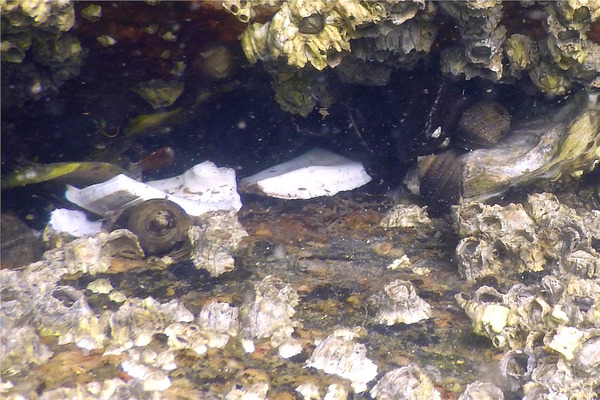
[{"x": 573, "y": 134}]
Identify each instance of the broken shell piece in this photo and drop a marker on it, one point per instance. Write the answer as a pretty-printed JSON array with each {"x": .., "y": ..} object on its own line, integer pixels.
[
  {"x": 342, "y": 357},
  {"x": 201, "y": 189},
  {"x": 71, "y": 222},
  {"x": 405, "y": 383},
  {"x": 209, "y": 186},
  {"x": 400, "y": 304},
  {"x": 315, "y": 173}
]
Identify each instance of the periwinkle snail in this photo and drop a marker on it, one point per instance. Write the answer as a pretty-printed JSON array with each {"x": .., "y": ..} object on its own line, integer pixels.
[{"x": 159, "y": 225}]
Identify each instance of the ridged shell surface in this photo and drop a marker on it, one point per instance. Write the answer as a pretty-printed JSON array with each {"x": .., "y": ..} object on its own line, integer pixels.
[
  {"x": 440, "y": 180},
  {"x": 483, "y": 125}
]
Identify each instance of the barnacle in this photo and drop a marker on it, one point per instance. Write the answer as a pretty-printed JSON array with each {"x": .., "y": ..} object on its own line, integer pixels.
[
  {"x": 271, "y": 312},
  {"x": 338, "y": 354},
  {"x": 214, "y": 238},
  {"x": 407, "y": 382},
  {"x": 401, "y": 304},
  {"x": 38, "y": 54}
]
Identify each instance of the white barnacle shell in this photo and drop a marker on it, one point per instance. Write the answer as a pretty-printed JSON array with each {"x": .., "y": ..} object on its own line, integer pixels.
[
  {"x": 489, "y": 318},
  {"x": 587, "y": 357},
  {"x": 566, "y": 340},
  {"x": 405, "y": 383},
  {"x": 513, "y": 368},
  {"x": 343, "y": 357},
  {"x": 401, "y": 304},
  {"x": 407, "y": 216},
  {"x": 482, "y": 391}
]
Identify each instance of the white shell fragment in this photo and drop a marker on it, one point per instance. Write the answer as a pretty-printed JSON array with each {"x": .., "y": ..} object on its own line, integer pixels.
[
  {"x": 401, "y": 304},
  {"x": 211, "y": 187},
  {"x": 405, "y": 383},
  {"x": 72, "y": 222},
  {"x": 338, "y": 354},
  {"x": 313, "y": 174},
  {"x": 201, "y": 189}
]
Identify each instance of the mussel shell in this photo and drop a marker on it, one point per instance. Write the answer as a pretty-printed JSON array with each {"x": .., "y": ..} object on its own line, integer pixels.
[
  {"x": 483, "y": 124},
  {"x": 440, "y": 180},
  {"x": 312, "y": 24},
  {"x": 158, "y": 224}
]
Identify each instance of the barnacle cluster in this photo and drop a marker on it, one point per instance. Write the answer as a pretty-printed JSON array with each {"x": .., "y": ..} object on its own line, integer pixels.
[
  {"x": 550, "y": 328},
  {"x": 553, "y": 62},
  {"x": 270, "y": 314},
  {"x": 366, "y": 41},
  {"x": 542, "y": 235},
  {"x": 38, "y": 53},
  {"x": 35, "y": 305}
]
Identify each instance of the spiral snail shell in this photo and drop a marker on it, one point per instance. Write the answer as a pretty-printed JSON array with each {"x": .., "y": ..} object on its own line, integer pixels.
[{"x": 158, "y": 224}]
